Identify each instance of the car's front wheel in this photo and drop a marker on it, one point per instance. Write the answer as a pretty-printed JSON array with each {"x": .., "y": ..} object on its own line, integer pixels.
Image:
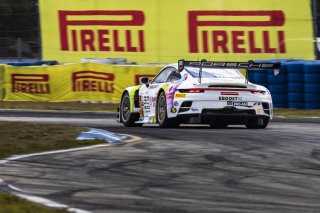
[
  {"x": 128, "y": 118},
  {"x": 161, "y": 112}
]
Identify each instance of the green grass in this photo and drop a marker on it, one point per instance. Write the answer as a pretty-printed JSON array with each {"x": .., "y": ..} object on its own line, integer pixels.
[
  {"x": 297, "y": 113},
  {"x": 22, "y": 138},
  {"x": 13, "y": 204}
]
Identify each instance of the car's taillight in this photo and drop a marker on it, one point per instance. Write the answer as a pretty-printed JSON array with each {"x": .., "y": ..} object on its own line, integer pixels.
[
  {"x": 256, "y": 92},
  {"x": 191, "y": 90}
]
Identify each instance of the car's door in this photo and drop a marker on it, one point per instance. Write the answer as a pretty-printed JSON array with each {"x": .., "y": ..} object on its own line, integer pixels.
[{"x": 149, "y": 93}]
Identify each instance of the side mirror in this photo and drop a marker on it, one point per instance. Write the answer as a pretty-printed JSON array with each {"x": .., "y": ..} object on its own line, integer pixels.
[{"x": 144, "y": 80}]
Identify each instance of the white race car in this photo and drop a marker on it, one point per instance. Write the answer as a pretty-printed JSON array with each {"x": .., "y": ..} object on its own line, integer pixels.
[{"x": 199, "y": 92}]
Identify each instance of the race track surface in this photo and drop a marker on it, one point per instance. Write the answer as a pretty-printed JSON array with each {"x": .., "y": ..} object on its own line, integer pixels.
[{"x": 189, "y": 169}]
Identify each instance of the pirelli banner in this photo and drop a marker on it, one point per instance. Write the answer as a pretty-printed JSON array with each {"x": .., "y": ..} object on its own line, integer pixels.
[
  {"x": 165, "y": 30},
  {"x": 91, "y": 82}
]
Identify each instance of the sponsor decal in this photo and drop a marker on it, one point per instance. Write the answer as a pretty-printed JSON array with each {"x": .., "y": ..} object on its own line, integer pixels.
[
  {"x": 78, "y": 30},
  {"x": 225, "y": 98},
  {"x": 30, "y": 83},
  {"x": 176, "y": 103},
  {"x": 93, "y": 81},
  {"x": 173, "y": 110},
  {"x": 208, "y": 34},
  {"x": 194, "y": 109},
  {"x": 180, "y": 95}
]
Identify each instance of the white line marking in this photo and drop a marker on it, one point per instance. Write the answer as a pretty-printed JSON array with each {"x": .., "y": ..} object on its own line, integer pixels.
[{"x": 41, "y": 200}]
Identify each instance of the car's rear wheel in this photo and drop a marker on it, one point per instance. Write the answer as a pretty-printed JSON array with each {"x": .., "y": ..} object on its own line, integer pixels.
[
  {"x": 255, "y": 125},
  {"x": 161, "y": 113},
  {"x": 128, "y": 118}
]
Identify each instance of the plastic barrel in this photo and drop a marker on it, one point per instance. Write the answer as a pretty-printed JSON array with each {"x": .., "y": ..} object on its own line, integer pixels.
[
  {"x": 278, "y": 88},
  {"x": 295, "y": 67},
  {"x": 296, "y": 105},
  {"x": 295, "y": 88},
  {"x": 258, "y": 77},
  {"x": 312, "y": 68},
  {"x": 277, "y": 79},
  {"x": 312, "y": 105},
  {"x": 279, "y": 105},
  {"x": 312, "y": 88},
  {"x": 312, "y": 78},
  {"x": 295, "y": 97},
  {"x": 279, "y": 98},
  {"x": 312, "y": 98}
]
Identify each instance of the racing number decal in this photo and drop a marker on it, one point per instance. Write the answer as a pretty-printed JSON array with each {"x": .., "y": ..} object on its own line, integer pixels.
[{"x": 146, "y": 104}]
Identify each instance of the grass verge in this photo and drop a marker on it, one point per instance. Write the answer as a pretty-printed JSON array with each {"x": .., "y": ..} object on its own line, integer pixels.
[
  {"x": 13, "y": 204},
  {"x": 297, "y": 113},
  {"x": 22, "y": 138}
]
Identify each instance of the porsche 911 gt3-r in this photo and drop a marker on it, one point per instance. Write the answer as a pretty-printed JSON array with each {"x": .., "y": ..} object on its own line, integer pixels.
[{"x": 199, "y": 92}]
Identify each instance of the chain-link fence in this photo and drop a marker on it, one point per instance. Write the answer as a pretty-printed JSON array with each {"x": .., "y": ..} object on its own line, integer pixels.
[{"x": 19, "y": 49}]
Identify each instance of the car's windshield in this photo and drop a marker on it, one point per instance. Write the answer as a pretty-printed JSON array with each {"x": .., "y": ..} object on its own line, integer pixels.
[{"x": 215, "y": 73}]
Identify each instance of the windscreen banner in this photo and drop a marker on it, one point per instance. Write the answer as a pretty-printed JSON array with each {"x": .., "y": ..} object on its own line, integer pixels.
[
  {"x": 77, "y": 82},
  {"x": 164, "y": 30}
]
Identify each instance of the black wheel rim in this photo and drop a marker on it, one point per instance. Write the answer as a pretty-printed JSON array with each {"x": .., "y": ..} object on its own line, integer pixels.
[
  {"x": 161, "y": 108},
  {"x": 125, "y": 108}
]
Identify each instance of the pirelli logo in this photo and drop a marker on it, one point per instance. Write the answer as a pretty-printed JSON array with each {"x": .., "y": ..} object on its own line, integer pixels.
[
  {"x": 93, "y": 81},
  {"x": 118, "y": 30},
  {"x": 30, "y": 83},
  {"x": 209, "y": 32}
]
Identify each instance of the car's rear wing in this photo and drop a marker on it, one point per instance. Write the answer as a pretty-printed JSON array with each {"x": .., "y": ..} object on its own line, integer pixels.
[{"x": 250, "y": 65}]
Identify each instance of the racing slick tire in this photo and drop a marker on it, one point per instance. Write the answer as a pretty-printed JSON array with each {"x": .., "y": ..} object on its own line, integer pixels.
[
  {"x": 161, "y": 113},
  {"x": 254, "y": 124},
  {"x": 128, "y": 119}
]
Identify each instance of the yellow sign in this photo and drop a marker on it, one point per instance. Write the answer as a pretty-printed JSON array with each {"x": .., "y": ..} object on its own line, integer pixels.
[
  {"x": 89, "y": 82},
  {"x": 165, "y": 30}
]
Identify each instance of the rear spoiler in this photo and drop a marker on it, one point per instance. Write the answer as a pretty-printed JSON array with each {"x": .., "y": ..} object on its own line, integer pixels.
[{"x": 250, "y": 65}]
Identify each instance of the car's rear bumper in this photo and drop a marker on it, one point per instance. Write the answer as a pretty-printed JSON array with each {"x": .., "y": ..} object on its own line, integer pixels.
[{"x": 229, "y": 115}]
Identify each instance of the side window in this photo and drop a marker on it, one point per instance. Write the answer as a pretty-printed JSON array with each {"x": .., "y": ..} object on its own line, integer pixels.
[
  {"x": 174, "y": 76},
  {"x": 162, "y": 76}
]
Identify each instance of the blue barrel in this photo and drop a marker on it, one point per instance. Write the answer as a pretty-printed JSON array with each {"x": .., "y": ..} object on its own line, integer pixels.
[
  {"x": 312, "y": 88},
  {"x": 295, "y": 72},
  {"x": 277, "y": 79},
  {"x": 296, "y": 105},
  {"x": 258, "y": 77},
  {"x": 312, "y": 98},
  {"x": 312, "y": 105},
  {"x": 279, "y": 105},
  {"x": 278, "y": 88},
  {"x": 295, "y": 88},
  {"x": 312, "y": 68},
  {"x": 312, "y": 78},
  {"x": 295, "y": 97},
  {"x": 279, "y": 98}
]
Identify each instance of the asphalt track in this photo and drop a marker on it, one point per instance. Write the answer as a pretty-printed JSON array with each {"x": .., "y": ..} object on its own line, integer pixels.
[{"x": 189, "y": 169}]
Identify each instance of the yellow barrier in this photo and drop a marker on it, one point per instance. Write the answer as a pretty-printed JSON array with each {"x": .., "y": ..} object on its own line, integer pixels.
[
  {"x": 166, "y": 30},
  {"x": 87, "y": 81}
]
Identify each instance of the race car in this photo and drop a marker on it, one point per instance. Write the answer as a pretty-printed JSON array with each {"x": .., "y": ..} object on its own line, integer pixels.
[{"x": 199, "y": 92}]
